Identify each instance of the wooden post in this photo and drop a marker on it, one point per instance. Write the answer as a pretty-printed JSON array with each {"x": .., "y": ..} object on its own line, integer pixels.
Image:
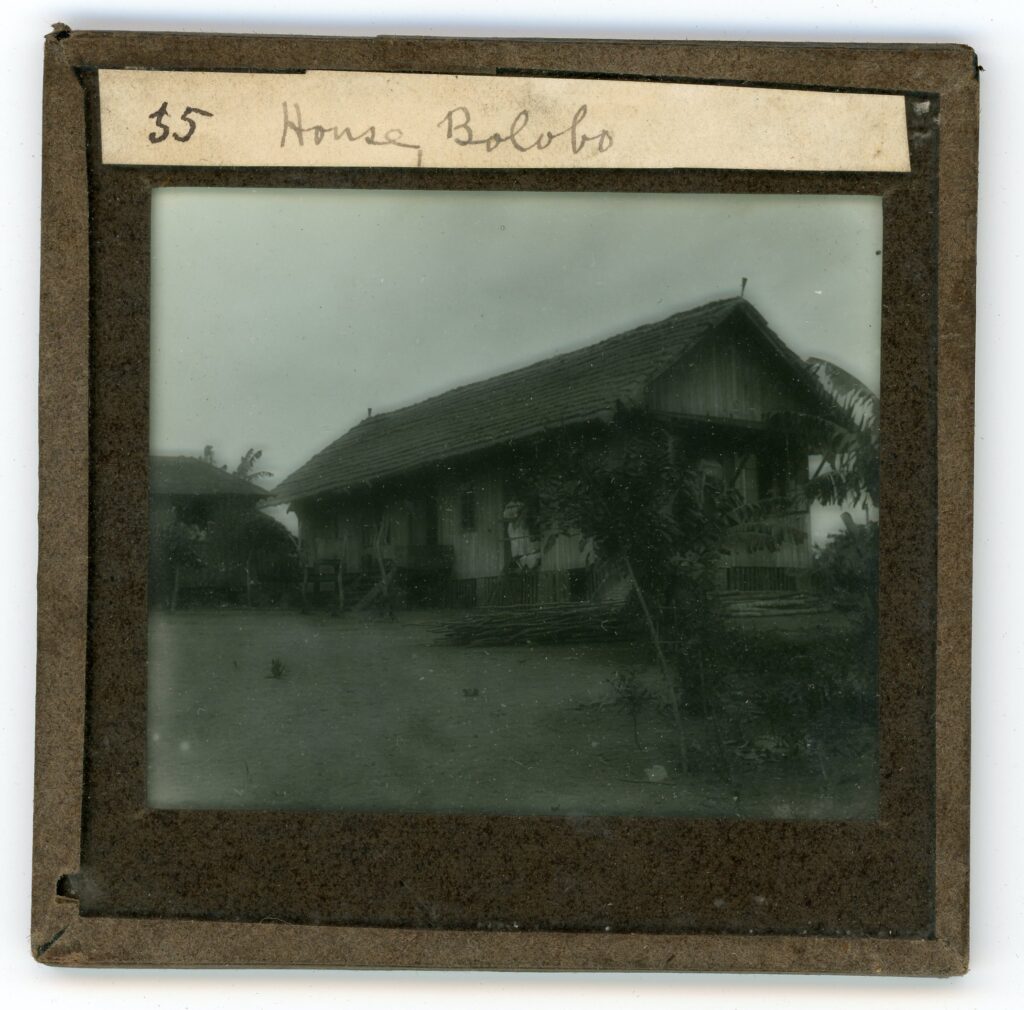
[
  {"x": 341, "y": 573},
  {"x": 385, "y": 575}
]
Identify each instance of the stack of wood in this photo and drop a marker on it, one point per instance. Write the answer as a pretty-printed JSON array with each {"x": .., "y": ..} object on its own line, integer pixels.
[
  {"x": 542, "y": 624},
  {"x": 740, "y": 605}
]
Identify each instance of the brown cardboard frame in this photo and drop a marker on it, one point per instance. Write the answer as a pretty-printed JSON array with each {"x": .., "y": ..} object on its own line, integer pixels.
[{"x": 133, "y": 901}]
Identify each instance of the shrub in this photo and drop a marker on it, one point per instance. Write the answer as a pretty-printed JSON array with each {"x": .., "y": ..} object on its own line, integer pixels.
[{"x": 845, "y": 570}]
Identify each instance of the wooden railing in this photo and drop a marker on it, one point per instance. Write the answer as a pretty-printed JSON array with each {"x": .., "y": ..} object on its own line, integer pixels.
[
  {"x": 518, "y": 589},
  {"x": 421, "y": 557},
  {"x": 749, "y": 578}
]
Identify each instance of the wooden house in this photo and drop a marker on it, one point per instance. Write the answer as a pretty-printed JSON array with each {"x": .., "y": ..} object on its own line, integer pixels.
[
  {"x": 209, "y": 541},
  {"x": 428, "y": 490}
]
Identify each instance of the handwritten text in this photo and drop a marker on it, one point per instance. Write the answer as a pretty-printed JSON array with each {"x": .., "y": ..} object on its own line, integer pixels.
[{"x": 460, "y": 130}]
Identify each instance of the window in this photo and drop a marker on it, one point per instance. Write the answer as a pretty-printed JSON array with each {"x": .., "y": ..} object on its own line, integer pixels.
[{"x": 467, "y": 510}]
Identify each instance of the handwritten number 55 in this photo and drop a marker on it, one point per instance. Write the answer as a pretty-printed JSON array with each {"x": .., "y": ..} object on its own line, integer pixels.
[{"x": 159, "y": 121}]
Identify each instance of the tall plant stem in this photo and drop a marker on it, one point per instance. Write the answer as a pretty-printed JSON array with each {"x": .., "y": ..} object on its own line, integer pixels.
[
  {"x": 666, "y": 670},
  {"x": 711, "y": 713}
]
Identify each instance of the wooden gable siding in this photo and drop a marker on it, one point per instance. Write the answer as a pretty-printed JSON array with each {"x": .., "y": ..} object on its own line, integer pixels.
[
  {"x": 729, "y": 377},
  {"x": 333, "y": 531},
  {"x": 344, "y": 529},
  {"x": 479, "y": 552},
  {"x": 484, "y": 552}
]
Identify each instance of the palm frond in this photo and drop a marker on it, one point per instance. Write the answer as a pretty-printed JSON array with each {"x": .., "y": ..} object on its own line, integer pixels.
[{"x": 846, "y": 389}]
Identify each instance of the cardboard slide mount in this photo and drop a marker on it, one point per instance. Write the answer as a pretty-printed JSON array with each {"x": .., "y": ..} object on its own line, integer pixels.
[{"x": 116, "y": 883}]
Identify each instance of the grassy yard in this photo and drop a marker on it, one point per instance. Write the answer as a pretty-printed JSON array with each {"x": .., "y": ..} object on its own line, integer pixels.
[{"x": 274, "y": 709}]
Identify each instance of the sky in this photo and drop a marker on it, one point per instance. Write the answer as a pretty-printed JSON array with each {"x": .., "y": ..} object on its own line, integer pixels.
[{"x": 280, "y": 316}]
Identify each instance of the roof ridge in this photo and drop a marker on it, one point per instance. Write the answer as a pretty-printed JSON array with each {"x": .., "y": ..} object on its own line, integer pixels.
[
  {"x": 580, "y": 383},
  {"x": 161, "y": 465}
]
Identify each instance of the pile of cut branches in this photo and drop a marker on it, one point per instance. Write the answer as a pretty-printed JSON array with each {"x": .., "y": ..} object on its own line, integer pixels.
[{"x": 542, "y": 624}]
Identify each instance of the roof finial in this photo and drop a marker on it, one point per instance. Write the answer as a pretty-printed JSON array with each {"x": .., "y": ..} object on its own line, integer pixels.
[{"x": 743, "y": 286}]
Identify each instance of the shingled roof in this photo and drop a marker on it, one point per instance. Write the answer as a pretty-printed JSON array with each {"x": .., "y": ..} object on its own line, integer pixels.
[
  {"x": 579, "y": 386},
  {"x": 186, "y": 475}
]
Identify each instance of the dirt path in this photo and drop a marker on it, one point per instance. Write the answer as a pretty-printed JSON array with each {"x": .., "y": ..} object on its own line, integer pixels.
[{"x": 369, "y": 715}]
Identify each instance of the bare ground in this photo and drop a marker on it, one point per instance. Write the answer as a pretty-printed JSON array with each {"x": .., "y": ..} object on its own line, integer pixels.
[{"x": 274, "y": 709}]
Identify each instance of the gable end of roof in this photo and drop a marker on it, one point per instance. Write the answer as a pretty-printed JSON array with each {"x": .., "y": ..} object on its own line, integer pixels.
[{"x": 571, "y": 388}]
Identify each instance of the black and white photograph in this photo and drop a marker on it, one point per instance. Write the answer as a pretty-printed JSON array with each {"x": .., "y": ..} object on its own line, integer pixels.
[{"x": 514, "y": 502}]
